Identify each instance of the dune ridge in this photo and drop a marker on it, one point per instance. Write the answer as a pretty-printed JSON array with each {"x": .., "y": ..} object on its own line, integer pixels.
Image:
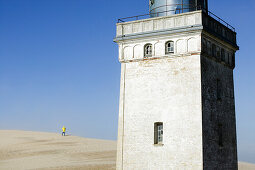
[
  {"x": 38, "y": 150},
  {"x": 24, "y": 150}
]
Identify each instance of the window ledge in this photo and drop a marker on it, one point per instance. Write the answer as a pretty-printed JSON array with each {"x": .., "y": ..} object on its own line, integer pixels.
[{"x": 158, "y": 145}]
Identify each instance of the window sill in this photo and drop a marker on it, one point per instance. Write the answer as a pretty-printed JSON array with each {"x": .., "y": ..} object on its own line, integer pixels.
[
  {"x": 159, "y": 145},
  {"x": 170, "y": 53},
  {"x": 148, "y": 56}
]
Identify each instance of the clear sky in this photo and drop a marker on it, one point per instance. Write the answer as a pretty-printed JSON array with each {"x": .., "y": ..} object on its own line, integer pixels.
[{"x": 59, "y": 65}]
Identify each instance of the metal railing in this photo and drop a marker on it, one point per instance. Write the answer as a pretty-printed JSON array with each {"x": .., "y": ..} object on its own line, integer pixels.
[
  {"x": 156, "y": 14},
  {"x": 221, "y": 21},
  {"x": 180, "y": 7},
  {"x": 177, "y": 11}
]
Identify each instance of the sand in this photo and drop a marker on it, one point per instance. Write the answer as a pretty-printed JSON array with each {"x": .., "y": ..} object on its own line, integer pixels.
[
  {"x": 246, "y": 166},
  {"x": 35, "y": 150},
  {"x": 24, "y": 150}
]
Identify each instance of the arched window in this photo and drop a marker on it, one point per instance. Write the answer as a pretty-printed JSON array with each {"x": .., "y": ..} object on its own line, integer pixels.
[
  {"x": 169, "y": 47},
  {"x": 148, "y": 50}
]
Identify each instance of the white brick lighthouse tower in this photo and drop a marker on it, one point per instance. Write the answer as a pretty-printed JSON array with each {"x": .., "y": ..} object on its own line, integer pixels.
[{"x": 177, "y": 109}]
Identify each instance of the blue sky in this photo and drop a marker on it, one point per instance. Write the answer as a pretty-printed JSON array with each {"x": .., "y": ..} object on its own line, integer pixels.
[{"x": 59, "y": 65}]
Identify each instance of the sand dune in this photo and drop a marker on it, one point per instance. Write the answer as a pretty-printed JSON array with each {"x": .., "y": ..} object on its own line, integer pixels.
[
  {"x": 246, "y": 166},
  {"x": 36, "y": 150}
]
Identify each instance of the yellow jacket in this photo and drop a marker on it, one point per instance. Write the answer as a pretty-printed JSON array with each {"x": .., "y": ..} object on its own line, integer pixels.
[{"x": 64, "y": 129}]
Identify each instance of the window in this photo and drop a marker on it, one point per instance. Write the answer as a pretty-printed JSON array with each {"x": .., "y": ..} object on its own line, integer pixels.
[
  {"x": 158, "y": 133},
  {"x": 220, "y": 133},
  {"x": 223, "y": 32},
  {"x": 226, "y": 57},
  {"x": 218, "y": 89},
  {"x": 152, "y": 2},
  {"x": 214, "y": 50},
  {"x": 169, "y": 47},
  {"x": 229, "y": 58},
  {"x": 148, "y": 50},
  {"x": 204, "y": 46},
  {"x": 222, "y": 54},
  {"x": 209, "y": 46},
  {"x": 233, "y": 59},
  {"x": 218, "y": 53},
  {"x": 204, "y": 5}
]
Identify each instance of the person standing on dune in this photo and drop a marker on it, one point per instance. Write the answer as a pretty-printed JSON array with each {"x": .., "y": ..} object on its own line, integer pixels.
[{"x": 63, "y": 131}]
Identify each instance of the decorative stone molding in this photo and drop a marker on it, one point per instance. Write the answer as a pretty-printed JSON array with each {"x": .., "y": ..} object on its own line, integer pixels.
[
  {"x": 135, "y": 51},
  {"x": 159, "y": 23}
]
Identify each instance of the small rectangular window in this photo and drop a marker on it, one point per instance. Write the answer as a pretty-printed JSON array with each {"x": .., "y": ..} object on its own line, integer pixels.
[
  {"x": 158, "y": 133},
  {"x": 218, "y": 53},
  {"x": 214, "y": 50},
  {"x": 223, "y": 55},
  {"x": 209, "y": 46},
  {"x": 204, "y": 46},
  {"x": 229, "y": 58},
  {"x": 233, "y": 60}
]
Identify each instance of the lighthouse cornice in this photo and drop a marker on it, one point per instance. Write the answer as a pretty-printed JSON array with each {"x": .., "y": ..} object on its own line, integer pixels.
[{"x": 177, "y": 24}]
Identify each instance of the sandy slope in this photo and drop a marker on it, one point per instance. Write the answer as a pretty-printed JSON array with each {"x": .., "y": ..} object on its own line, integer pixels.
[
  {"x": 246, "y": 166},
  {"x": 35, "y": 150}
]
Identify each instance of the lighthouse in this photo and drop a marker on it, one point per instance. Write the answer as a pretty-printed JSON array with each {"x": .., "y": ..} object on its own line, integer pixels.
[{"x": 177, "y": 105}]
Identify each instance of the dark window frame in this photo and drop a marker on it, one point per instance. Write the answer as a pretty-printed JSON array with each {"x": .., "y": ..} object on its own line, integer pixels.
[
  {"x": 148, "y": 50},
  {"x": 204, "y": 43},
  {"x": 218, "y": 53},
  {"x": 209, "y": 47},
  {"x": 158, "y": 133},
  {"x": 233, "y": 59},
  {"x": 223, "y": 55},
  {"x": 168, "y": 49},
  {"x": 214, "y": 52},
  {"x": 152, "y": 2}
]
